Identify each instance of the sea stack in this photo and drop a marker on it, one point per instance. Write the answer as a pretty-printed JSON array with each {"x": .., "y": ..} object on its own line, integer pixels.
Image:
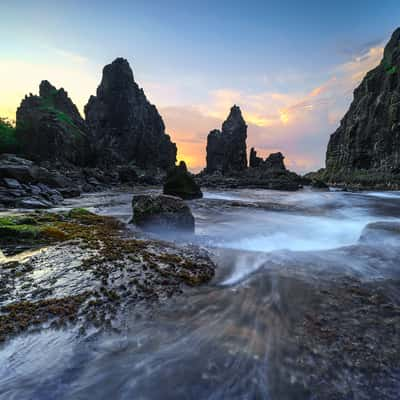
[
  {"x": 367, "y": 143},
  {"x": 124, "y": 125},
  {"x": 50, "y": 128},
  {"x": 226, "y": 149}
]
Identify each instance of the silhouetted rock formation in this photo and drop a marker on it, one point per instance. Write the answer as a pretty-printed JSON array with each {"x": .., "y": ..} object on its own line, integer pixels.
[
  {"x": 273, "y": 162},
  {"x": 124, "y": 126},
  {"x": 226, "y": 149},
  {"x": 181, "y": 183},
  {"x": 365, "y": 148},
  {"x": 50, "y": 128},
  {"x": 254, "y": 161},
  {"x": 227, "y": 161}
]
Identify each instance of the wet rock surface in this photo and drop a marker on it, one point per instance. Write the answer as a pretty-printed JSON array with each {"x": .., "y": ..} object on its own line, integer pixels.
[
  {"x": 162, "y": 213},
  {"x": 89, "y": 272},
  {"x": 181, "y": 183},
  {"x": 349, "y": 341}
]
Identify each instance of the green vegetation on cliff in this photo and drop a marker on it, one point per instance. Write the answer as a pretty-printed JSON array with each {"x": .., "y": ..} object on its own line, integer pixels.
[{"x": 8, "y": 140}]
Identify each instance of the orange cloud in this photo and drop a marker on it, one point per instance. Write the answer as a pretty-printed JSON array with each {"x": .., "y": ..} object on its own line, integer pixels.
[{"x": 296, "y": 123}]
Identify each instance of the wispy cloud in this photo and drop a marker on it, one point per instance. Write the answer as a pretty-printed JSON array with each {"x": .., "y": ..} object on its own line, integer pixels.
[
  {"x": 70, "y": 56},
  {"x": 297, "y": 123}
]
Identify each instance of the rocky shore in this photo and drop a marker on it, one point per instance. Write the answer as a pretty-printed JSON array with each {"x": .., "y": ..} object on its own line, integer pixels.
[{"x": 80, "y": 269}]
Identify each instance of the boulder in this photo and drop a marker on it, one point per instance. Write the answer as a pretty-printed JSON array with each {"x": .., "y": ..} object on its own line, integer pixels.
[
  {"x": 12, "y": 183},
  {"x": 226, "y": 149},
  {"x": 34, "y": 203},
  {"x": 19, "y": 172},
  {"x": 125, "y": 127},
  {"x": 25, "y": 185},
  {"x": 181, "y": 183},
  {"x": 127, "y": 174},
  {"x": 162, "y": 214},
  {"x": 381, "y": 234}
]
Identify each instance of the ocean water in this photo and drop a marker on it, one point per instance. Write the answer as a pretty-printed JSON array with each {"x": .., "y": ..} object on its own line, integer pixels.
[{"x": 230, "y": 339}]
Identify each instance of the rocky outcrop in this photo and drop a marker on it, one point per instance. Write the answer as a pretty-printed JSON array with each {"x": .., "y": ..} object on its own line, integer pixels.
[
  {"x": 273, "y": 162},
  {"x": 24, "y": 184},
  {"x": 227, "y": 161},
  {"x": 97, "y": 273},
  {"x": 162, "y": 214},
  {"x": 124, "y": 126},
  {"x": 366, "y": 146},
  {"x": 181, "y": 183},
  {"x": 226, "y": 149},
  {"x": 50, "y": 128}
]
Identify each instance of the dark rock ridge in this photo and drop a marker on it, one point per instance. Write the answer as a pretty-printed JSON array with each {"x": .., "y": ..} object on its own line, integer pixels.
[
  {"x": 226, "y": 149},
  {"x": 124, "y": 126},
  {"x": 181, "y": 183},
  {"x": 162, "y": 214},
  {"x": 273, "y": 162},
  {"x": 50, "y": 128},
  {"x": 365, "y": 149}
]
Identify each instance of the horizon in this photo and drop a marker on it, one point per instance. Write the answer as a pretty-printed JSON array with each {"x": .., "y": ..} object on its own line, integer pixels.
[{"x": 194, "y": 62}]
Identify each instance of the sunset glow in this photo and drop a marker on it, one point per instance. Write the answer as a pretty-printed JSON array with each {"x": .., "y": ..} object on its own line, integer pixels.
[{"x": 285, "y": 104}]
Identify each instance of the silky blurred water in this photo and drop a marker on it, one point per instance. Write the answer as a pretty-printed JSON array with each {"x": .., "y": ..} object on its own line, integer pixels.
[{"x": 230, "y": 339}]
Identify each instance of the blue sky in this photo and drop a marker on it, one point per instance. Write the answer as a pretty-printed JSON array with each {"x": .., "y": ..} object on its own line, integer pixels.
[{"x": 290, "y": 65}]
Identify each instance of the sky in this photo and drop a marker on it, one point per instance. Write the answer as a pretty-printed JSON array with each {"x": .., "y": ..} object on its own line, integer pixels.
[{"x": 290, "y": 65}]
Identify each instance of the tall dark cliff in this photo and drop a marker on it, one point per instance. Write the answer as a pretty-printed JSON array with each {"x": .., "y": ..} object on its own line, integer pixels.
[
  {"x": 50, "y": 128},
  {"x": 226, "y": 149},
  {"x": 124, "y": 126},
  {"x": 368, "y": 138}
]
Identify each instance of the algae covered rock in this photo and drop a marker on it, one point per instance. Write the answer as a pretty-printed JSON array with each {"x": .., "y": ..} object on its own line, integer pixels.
[
  {"x": 180, "y": 183},
  {"x": 162, "y": 214},
  {"x": 86, "y": 270}
]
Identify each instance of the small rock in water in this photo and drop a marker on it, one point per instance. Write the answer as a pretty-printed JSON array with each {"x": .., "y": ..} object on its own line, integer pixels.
[
  {"x": 181, "y": 184},
  {"x": 162, "y": 213}
]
